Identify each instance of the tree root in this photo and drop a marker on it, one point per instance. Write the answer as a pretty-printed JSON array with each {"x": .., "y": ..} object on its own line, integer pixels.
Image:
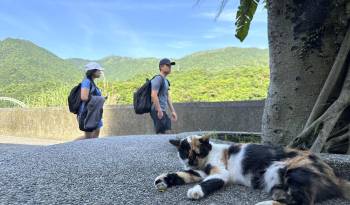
[
  {"x": 324, "y": 117},
  {"x": 328, "y": 121},
  {"x": 327, "y": 129},
  {"x": 328, "y": 118},
  {"x": 331, "y": 81},
  {"x": 348, "y": 152},
  {"x": 336, "y": 143},
  {"x": 305, "y": 138}
]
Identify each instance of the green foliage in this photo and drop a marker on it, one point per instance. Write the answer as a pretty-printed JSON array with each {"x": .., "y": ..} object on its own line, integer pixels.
[
  {"x": 225, "y": 58},
  {"x": 186, "y": 86},
  {"x": 22, "y": 62},
  {"x": 38, "y": 78},
  {"x": 245, "y": 14},
  {"x": 224, "y": 85},
  {"x": 123, "y": 68}
]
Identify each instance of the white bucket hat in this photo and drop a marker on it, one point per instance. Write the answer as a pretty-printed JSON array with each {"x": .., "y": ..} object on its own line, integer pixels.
[{"x": 93, "y": 66}]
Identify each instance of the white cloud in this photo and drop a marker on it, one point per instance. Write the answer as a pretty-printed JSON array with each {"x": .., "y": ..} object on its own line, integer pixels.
[
  {"x": 122, "y": 5},
  {"x": 224, "y": 16},
  {"x": 230, "y": 15},
  {"x": 209, "y": 36},
  {"x": 37, "y": 27},
  {"x": 219, "y": 32},
  {"x": 180, "y": 44}
]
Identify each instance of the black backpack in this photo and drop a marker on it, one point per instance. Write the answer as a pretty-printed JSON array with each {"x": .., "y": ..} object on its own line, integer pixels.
[
  {"x": 74, "y": 98},
  {"x": 142, "y": 97}
]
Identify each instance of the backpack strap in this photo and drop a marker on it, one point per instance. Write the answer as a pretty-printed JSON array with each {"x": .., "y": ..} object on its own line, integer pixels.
[
  {"x": 162, "y": 85},
  {"x": 92, "y": 86}
]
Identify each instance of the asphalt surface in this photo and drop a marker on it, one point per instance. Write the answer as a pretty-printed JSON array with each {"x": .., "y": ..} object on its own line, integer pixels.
[{"x": 114, "y": 170}]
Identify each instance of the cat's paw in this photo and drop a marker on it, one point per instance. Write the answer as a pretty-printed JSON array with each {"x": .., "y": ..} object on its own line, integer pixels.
[
  {"x": 195, "y": 193},
  {"x": 269, "y": 203},
  {"x": 160, "y": 183}
]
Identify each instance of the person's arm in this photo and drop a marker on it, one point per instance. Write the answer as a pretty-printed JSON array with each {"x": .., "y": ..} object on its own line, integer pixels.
[
  {"x": 85, "y": 94},
  {"x": 155, "y": 101},
  {"x": 172, "y": 109},
  {"x": 85, "y": 90},
  {"x": 154, "y": 95}
]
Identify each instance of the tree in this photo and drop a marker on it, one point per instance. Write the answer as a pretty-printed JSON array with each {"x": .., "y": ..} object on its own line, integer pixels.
[{"x": 309, "y": 81}]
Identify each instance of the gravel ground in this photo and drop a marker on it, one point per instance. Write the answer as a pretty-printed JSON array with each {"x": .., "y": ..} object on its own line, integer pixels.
[{"x": 115, "y": 170}]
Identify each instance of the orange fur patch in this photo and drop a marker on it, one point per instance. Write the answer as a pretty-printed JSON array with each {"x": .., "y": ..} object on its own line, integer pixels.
[
  {"x": 225, "y": 157},
  {"x": 195, "y": 144},
  {"x": 214, "y": 170},
  {"x": 188, "y": 178}
]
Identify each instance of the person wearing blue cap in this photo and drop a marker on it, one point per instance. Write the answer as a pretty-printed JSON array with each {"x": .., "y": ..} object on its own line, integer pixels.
[
  {"x": 89, "y": 88},
  {"x": 161, "y": 99}
]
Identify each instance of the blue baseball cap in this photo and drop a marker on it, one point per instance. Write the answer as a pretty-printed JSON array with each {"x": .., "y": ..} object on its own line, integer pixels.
[
  {"x": 93, "y": 66},
  {"x": 166, "y": 61}
]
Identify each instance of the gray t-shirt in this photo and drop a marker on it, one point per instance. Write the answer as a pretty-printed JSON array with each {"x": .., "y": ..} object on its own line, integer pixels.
[{"x": 163, "y": 93}]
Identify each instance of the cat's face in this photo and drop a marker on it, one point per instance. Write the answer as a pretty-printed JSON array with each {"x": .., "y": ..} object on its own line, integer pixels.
[{"x": 193, "y": 150}]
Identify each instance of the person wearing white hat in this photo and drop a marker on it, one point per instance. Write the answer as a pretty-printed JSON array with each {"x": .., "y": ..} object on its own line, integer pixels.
[{"x": 88, "y": 87}]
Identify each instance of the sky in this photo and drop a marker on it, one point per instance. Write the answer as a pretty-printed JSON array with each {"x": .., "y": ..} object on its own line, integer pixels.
[{"x": 94, "y": 29}]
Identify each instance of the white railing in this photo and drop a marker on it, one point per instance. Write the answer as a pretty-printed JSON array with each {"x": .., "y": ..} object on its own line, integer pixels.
[{"x": 15, "y": 101}]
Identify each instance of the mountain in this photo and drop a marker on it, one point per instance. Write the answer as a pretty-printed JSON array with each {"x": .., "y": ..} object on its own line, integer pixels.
[
  {"x": 26, "y": 68},
  {"x": 121, "y": 68},
  {"x": 124, "y": 68},
  {"x": 34, "y": 74},
  {"x": 78, "y": 62},
  {"x": 22, "y": 61},
  {"x": 230, "y": 57}
]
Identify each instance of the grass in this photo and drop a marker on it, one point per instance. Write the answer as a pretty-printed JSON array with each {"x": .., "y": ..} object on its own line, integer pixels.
[
  {"x": 186, "y": 86},
  {"x": 239, "y": 137}
]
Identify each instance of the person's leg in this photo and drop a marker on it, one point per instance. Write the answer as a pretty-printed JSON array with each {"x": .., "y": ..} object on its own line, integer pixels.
[
  {"x": 167, "y": 124},
  {"x": 80, "y": 138},
  {"x": 87, "y": 135},
  {"x": 154, "y": 117},
  {"x": 164, "y": 125},
  {"x": 96, "y": 133}
]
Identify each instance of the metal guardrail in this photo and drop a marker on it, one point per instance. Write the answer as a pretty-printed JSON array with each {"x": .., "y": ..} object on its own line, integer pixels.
[{"x": 15, "y": 101}]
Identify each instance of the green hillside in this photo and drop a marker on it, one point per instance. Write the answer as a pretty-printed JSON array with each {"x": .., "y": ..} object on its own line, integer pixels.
[
  {"x": 22, "y": 61},
  {"x": 121, "y": 68},
  {"x": 26, "y": 68},
  {"x": 124, "y": 68},
  {"x": 40, "y": 78},
  {"x": 193, "y": 85},
  {"x": 78, "y": 62},
  {"x": 225, "y": 58}
]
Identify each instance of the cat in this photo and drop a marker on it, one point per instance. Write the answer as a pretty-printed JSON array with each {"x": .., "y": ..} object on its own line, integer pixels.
[{"x": 291, "y": 177}]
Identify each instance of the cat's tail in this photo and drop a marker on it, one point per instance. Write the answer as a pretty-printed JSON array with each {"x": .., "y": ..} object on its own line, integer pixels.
[{"x": 344, "y": 186}]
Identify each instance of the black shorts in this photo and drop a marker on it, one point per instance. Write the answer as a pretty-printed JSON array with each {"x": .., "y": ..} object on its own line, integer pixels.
[{"x": 160, "y": 125}]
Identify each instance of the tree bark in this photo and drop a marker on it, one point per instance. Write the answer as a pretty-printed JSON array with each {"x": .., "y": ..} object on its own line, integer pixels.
[
  {"x": 348, "y": 152},
  {"x": 304, "y": 39},
  {"x": 332, "y": 82}
]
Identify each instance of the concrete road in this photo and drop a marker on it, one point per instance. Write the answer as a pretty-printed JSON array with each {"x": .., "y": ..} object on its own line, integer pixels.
[
  {"x": 29, "y": 140},
  {"x": 114, "y": 170}
]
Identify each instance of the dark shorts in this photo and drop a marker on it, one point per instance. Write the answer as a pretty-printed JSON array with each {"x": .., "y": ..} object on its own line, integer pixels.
[{"x": 160, "y": 125}]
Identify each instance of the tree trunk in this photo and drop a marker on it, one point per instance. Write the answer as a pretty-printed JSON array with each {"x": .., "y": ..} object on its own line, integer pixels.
[{"x": 304, "y": 39}]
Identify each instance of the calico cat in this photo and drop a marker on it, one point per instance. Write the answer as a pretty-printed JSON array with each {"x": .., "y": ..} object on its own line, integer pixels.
[{"x": 292, "y": 177}]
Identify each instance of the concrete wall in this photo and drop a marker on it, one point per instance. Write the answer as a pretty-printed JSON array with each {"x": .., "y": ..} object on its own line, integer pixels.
[{"x": 58, "y": 123}]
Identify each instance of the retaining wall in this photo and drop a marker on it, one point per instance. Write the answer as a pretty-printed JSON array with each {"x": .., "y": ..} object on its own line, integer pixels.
[{"x": 58, "y": 123}]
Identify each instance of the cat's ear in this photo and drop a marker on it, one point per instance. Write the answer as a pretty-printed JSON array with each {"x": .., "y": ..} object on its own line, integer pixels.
[
  {"x": 204, "y": 139},
  {"x": 175, "y": 142}
]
